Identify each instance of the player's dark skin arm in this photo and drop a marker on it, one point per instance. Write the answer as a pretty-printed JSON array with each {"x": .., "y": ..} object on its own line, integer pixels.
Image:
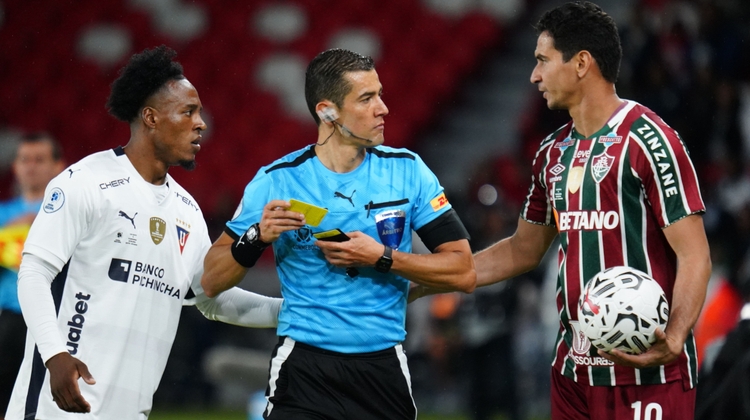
[
  {"x": 64, "y": 371},
  {"x": 222, "y": 271},
  {"x": 687, "y": 238},
  {"x": 510, "y": 257}
]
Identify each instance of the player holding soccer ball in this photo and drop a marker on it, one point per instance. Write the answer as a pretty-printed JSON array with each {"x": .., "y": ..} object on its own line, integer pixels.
[{"x": 618, "y": 187}]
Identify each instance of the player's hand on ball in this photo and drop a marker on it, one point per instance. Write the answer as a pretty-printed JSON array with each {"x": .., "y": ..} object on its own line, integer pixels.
[
  {"x": 663, "y": 351},
  {"x": 64, "y": 371}
]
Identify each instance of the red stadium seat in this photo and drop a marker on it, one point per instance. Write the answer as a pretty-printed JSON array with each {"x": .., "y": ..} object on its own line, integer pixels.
[{"x": 46, "y": 85}]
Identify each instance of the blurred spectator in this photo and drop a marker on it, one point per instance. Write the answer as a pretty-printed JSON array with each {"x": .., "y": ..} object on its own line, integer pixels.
[{"x": 38, "y": 160}]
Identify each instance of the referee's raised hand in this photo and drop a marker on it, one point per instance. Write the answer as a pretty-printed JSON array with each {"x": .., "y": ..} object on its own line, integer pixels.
[
  {"x": 64, "y": 371},
  {"x": 277, "y": 219}
]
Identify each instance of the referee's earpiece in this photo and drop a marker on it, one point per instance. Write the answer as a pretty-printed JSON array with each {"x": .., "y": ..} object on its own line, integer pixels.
[{"x": 328, "y": 114}]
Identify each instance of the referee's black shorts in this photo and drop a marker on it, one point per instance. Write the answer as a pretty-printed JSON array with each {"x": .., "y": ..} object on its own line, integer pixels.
[{"x": 307, "y": 383}]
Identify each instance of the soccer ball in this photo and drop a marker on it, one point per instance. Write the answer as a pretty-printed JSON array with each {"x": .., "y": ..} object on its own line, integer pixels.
[{"x": 620, "y": 308}]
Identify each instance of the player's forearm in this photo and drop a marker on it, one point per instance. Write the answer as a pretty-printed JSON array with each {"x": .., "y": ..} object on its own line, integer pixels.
[
  {"x": 450, "y": 268},
  {"x": 241, "y": 307},
  {"x": 35, "y": 297},
  {"x": 514, "y": 255},
  {"x": 688, "y": 295},
  {"x": 502, "y": 261},
  {"x": 221, "y": 271},
  {"x": 687, "y": 238}
]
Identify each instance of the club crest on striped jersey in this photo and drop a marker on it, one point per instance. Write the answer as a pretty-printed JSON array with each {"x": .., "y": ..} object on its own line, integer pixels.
[{"x": 600, "y": 166}]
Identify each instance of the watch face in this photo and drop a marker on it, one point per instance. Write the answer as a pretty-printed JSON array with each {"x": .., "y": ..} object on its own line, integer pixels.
[
  {"x": 383, "y": 264},
  {"x": 252, "y": 233}
]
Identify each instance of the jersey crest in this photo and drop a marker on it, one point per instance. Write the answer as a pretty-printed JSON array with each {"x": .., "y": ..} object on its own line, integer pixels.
[
  {"x": 182, "y": 237},
  {"x": 601, "y": 165}
]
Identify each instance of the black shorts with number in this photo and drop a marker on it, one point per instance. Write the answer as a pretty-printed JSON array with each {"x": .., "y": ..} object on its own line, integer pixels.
[{"x": 307, "y": 383}]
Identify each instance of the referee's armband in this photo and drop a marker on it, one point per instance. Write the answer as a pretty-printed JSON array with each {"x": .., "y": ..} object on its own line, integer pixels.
[
  {"x": 248, "y": 247},
  {"x": 445, "y": 228}
]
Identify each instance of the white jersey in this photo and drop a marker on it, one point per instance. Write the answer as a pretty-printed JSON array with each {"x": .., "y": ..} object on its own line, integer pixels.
[{"x": 128, "y": 259}]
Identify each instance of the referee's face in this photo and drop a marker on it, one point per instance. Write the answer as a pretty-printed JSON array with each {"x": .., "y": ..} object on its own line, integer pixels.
[
  {"x": 364, "y": 111},
  {"x": 179, "y": 124}
]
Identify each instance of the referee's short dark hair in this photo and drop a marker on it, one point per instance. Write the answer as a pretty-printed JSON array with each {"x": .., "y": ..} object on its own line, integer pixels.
[
  {"x": 324, "y": 78},
  {"x": 144, "y": 75}
]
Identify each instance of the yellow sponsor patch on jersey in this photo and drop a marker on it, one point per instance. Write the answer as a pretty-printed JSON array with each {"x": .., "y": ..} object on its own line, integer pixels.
[{"x": 439, "y": 202}]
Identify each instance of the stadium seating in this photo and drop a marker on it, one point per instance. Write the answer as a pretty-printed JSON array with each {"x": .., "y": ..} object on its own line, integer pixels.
[{"x": 54, "y": 78}]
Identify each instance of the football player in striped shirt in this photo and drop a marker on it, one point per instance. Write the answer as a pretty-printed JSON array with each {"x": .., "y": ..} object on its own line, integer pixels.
[{"x": 617, "y": 186}]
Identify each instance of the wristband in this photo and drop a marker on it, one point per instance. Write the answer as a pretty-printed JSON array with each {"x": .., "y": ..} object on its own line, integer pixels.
[{"x": 248, "y": 247}]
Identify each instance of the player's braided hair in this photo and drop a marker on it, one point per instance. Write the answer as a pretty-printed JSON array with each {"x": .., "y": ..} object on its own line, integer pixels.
[
  {"x": 143, "y": 76},
  {"x": 324, "y": 78}
]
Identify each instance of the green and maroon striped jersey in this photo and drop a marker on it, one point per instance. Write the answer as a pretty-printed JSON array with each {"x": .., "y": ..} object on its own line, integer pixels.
[{"x": 610, "y": 195}]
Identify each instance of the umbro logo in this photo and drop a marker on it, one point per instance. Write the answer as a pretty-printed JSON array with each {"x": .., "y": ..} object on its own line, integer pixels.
[
  {"x": 557, "y": 169},
  {"x": 125, "y": 215},
  {"x": 340, "y": 195}
]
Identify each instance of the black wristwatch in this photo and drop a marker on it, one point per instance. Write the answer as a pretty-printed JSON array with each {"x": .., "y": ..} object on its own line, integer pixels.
[
  {"x": 383, "y": 265},
  {"x": 252, "y": 236}
]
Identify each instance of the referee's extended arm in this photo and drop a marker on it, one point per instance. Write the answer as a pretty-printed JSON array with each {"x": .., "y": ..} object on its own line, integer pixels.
[{"x": 222, "y": 270}]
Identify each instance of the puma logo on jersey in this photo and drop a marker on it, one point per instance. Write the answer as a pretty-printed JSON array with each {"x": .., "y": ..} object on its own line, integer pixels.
[
  {"x": 340, "y": 195},
  {"x": 588, "y": 220},
  {"x": 125, "y": 215},
  {"x": 71, "y": 172}
]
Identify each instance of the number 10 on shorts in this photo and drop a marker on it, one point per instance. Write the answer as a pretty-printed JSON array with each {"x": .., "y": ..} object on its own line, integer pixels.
[{"x": 651, "y": 408}]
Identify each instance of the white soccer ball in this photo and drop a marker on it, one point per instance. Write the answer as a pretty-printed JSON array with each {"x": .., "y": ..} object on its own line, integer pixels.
[{"x": 620, "y": 308}]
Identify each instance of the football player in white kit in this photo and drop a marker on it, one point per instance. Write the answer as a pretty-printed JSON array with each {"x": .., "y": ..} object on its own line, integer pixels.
[{"x": 116, "y": 250}]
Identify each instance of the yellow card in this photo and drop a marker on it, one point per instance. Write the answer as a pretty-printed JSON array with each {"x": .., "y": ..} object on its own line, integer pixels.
[{"x": 313, "y": 214}]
